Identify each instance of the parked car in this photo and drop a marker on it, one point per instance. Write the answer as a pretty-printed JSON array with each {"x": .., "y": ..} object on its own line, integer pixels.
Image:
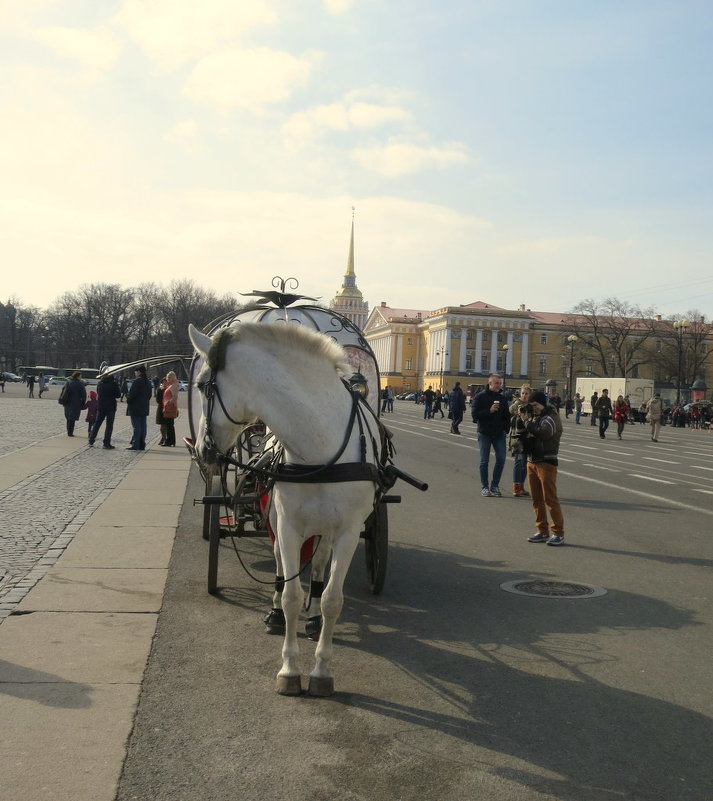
[
  {"x": 12, "y": 378},
  {"x": 57, "y": 381},
  {"x": 183, "y": 386}
]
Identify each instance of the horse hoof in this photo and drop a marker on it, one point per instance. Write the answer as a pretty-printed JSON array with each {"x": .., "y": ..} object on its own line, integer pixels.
[
  {"x": 275, "y": 622},
  {"x": 313, "y": 627},
  {"x": 289, "y": 685},
  {"x": 321, "y": 686}
]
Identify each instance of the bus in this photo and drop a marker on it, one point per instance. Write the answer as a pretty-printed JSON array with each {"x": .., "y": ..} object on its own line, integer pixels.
[
  {"x": 47, "y": 372},
  {"x": 90, "y": 375}
]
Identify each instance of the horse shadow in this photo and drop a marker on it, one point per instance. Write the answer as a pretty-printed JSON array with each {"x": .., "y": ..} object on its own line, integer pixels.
[
  {"x": 44, "y": 688},
  {"x": 498, "y": 675}
]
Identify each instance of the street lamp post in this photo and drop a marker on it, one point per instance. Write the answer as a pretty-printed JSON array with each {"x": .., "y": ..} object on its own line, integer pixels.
[
  {"x": 506, "y": 348},
  {"x": 571, "y": 340},
  {"x": 680, "y": 327},
  {"x": 441, "y": 353}
]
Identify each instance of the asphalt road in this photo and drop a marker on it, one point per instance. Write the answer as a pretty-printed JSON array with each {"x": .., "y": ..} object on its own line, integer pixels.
[{"x": 447, "y": 686}]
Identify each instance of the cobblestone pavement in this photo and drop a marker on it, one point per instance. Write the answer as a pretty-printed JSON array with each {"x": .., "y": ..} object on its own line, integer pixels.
[{"x": 41, "y": 513}]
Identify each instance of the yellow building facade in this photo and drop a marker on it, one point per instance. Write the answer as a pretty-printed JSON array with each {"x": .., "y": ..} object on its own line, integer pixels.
[{"x": 416, "y": 349}]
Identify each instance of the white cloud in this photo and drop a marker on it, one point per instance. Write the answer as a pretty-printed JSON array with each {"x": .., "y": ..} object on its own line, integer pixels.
[
  {"x": 183, "y": 134},
  {"x": 97, "y": 49},
  {"x": 341, "y": 117},
  {"x": 249, "y": 79},
  {"x": 174, "y": 32},
  {"x": 337, "y": 6},
  {"x": 402, "y": 158}
]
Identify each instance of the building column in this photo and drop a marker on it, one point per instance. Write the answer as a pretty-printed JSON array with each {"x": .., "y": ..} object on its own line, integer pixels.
[
  {"x": 463, "y": 336},
  {"x": 509, "y": 355},
  {"x": 478, "y": 351},
  {"x": 524, "y": 354},
  {"x": 494, "y": 352},
  {"x": 448, "y": 345}
]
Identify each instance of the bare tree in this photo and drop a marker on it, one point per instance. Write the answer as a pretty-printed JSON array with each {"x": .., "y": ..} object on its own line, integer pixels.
[
  {"x": 614, "y": 334},
  {"x": 184, "y": 302},
  {"x": 683, "y": 348}
]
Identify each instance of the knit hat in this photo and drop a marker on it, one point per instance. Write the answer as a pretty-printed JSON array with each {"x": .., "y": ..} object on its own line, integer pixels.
[
  {"x": 539, "y": 397},
  {"x": 140, "y": 369}
]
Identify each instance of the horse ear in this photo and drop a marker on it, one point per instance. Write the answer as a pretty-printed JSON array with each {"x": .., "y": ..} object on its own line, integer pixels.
[{"x": 201, "y": 342}]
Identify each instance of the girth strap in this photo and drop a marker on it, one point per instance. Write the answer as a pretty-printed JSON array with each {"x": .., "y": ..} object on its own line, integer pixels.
[{"x": 333, "y": 474}]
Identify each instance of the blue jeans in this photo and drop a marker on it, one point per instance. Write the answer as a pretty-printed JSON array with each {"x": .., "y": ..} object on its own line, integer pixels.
[
  {"x": 519, "y": 468},
  {"x": 577, "y": 416},
  {"x": 485, "y": 442},
  {"x": 138, "y": 423}
]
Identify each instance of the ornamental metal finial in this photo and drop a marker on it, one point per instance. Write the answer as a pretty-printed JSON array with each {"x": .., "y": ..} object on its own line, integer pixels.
[{"x": 281, "y": 299}]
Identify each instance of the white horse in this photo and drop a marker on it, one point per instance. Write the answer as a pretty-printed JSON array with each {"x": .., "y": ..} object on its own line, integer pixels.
[{"x": 292, "y": 379}]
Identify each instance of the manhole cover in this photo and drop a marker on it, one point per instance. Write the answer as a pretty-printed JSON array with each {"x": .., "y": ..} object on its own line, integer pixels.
[{"x": 540, "y": 588}]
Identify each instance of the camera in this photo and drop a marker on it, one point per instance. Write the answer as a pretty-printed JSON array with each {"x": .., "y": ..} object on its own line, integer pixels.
[{"x": 527, "y": 409}]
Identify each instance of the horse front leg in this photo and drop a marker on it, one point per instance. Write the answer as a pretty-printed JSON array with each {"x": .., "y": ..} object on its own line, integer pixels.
[
  {"x": 321, "y": 679},
  {"x": 320, "y": 558},
  {"x": 275, "y": 619},
  {"x": 288, "y": 679}
]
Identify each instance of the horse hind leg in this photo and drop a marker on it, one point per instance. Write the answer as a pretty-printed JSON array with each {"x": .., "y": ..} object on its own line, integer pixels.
[{"x": 321, "y": 680}]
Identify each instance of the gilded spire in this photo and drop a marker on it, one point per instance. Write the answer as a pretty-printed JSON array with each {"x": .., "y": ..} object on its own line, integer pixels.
[
  {"x": 349, "y": 300},
  {"x": 350, "y": 260}
]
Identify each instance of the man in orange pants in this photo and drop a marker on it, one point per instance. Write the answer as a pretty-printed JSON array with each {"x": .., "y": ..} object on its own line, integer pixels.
[{"x": 544, "y": 430}]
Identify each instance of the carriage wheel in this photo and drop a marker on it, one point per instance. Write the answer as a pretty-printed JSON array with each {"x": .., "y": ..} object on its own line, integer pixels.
[
  {"x": 216, "y": 488},
  {"x": 376, "y": 544}
]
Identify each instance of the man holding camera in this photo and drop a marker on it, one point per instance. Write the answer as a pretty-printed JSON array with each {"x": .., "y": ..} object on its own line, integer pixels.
[
  {"x": 544, "y": 430},
  {"x": 491, "y": 413}
]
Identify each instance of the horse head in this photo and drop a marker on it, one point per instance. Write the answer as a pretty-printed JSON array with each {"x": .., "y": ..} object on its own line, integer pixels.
[{"x": 223, "y": 412}]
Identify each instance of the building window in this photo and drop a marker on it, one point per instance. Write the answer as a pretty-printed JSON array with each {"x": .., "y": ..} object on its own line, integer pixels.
[
  {"x": 469, "y": 335},
  {"x": 543, "y": 365},
  {"x": 589, "y": 369},
  {"x": 409, "y": 341},
  {"x": 484, "y": 362},
  {"x": 409, "y": 364},
  {"x": 543, "y": 339},
  {"x": 634, "y": 371},
  {"x": 501, "y": 337},
  {"x": 485, "y": 336},
  {"x": 468, "y": 361}
]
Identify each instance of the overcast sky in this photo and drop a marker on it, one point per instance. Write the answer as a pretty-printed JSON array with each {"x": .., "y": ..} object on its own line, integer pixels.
[{"x": 521, "y": 151}]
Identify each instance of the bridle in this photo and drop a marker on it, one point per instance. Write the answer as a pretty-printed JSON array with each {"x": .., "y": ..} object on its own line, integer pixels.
[{"x": 278, "y": 470}]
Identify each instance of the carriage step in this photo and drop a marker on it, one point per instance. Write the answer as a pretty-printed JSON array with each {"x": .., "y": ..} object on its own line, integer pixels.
[{"x": 244, "y": 500}]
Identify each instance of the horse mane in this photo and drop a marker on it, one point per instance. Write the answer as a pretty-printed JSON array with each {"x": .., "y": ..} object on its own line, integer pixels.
[{"x": 290, "y": 335}]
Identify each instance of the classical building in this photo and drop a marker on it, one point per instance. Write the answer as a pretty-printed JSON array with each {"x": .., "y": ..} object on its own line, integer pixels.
[
  {"x": 420, "y": 348},
  {"x": 349, "y": 300}
]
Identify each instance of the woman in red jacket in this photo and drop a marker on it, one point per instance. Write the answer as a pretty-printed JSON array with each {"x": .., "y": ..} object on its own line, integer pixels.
[{"x": 622, "y": 410}]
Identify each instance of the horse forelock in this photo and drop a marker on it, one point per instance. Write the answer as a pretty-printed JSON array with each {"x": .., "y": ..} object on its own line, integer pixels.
[{"x": 293, "y": 336}]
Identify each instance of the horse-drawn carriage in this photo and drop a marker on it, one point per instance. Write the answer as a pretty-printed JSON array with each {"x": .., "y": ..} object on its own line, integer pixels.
[{"x": 283, "y": 405}]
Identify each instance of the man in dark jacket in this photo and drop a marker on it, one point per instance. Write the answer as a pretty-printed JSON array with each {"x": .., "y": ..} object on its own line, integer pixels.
[
  {"x": 108, "y": 391},
  {"x": 604, "y": 412},
  {"x": 544, "y": 431},
  {"x": 491, "y": 413},
  {"x": 137, "y": 407},
  {"x": 456, "y": 407},
  {"x": 74, "y": 399}
]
